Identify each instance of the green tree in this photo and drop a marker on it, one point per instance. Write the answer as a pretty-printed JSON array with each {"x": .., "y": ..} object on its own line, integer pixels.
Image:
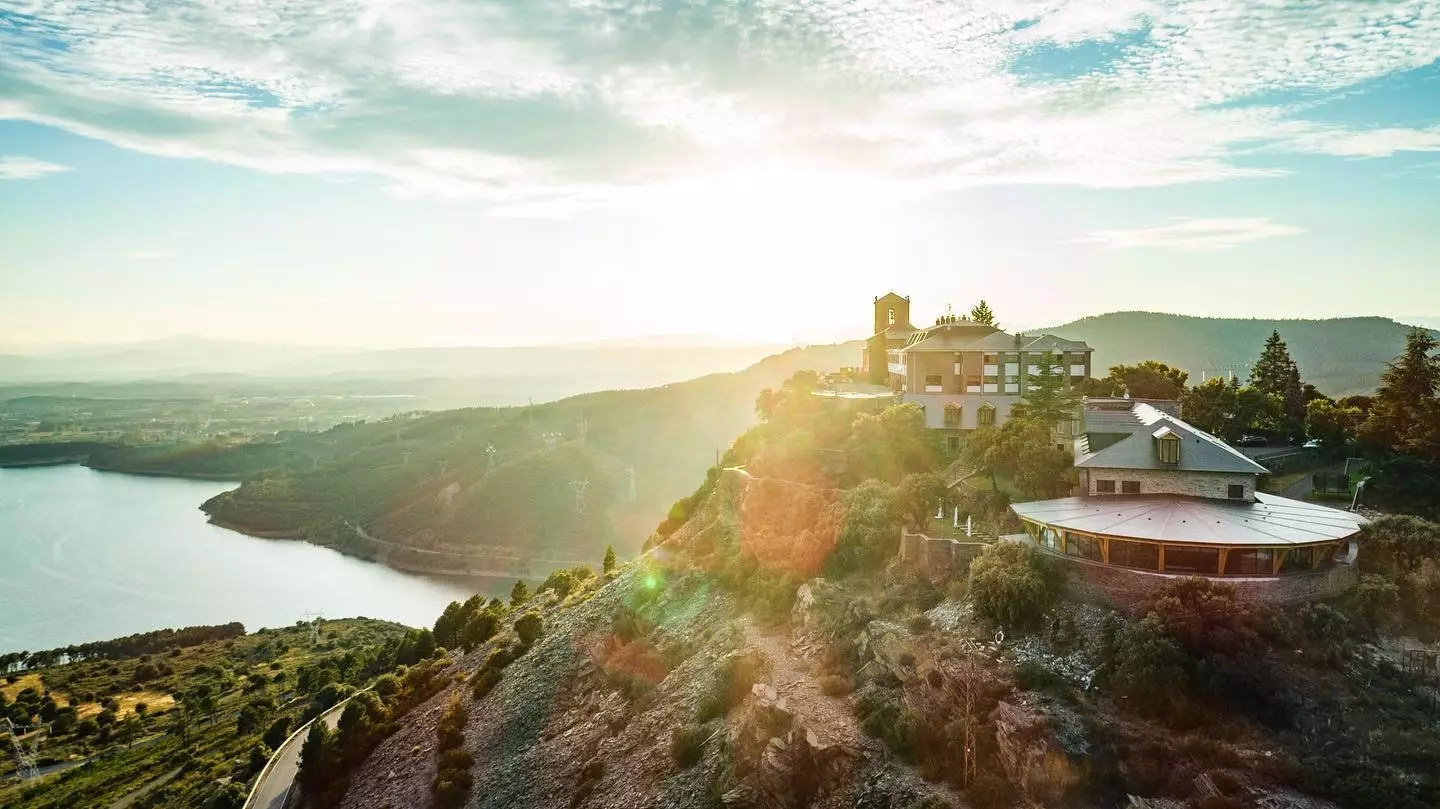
[
  {"x": 1014, "y": 585},
  {"x": 1149, "y": 380},
  {"x": 1048, "y": 397},
  {"x": 448, "y": 625},
  {"x": 1404, "y": 414},
  {"x": 1276, "y": 374},
  {"x": 870, "y": 531},
  {"x": 1021, "y": 450},
  {"x": 519, "y": 594},
  {"x": 529, "y": 627},
  {"x": 893, "y": 442},
  {"x": 919, "y": 495},
  {"x": 608, "y": 565},
  {"x": 1329, "y": 423},
  {"x": 980, "y": 313},
  {"x": 278, "y": 731},
  {"x": 316, "y": 756}
]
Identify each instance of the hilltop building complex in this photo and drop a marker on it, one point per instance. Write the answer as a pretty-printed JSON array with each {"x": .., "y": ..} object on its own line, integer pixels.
[{"x": 965, "y": 374}]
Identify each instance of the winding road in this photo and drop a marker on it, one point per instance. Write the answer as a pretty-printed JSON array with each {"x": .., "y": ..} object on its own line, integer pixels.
[{"x": 272, "y": 789}]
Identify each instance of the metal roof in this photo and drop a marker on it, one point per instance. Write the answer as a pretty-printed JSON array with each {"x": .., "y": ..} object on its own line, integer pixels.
[
  {"x": 1269, "y": 522},
  {"x": 1199, "y": 450}
]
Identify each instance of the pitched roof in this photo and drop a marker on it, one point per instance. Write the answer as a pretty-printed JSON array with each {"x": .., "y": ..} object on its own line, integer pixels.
[
  {"x": 966, "y": 335},
  {"x": 1199, "y": 450},
  {"x": 1269, "y": 521}
]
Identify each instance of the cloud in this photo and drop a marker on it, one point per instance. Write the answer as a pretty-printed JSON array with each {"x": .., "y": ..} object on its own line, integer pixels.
[
  {"x": 27, "y": 168},
  {"x": 546, "y": 104},
  {"x": 1194, "y": 234}
]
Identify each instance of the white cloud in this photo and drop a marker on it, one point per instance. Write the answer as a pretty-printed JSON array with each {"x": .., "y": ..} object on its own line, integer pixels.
[
  {"x": 27, "y": 168},
  {"x": 526, "y": 104},
  {"x": 1194, "y": 234}
]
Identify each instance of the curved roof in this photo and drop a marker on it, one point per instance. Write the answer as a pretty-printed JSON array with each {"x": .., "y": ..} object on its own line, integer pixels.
[{"x": 1269, "y": 521}]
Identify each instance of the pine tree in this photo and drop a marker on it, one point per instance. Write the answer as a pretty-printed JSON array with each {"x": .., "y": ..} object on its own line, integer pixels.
[
  {"x": 1048, "y": 400},
  {"x": 608, "y": 566},
  {"x": 315, "y": 755},
  {"x": 1405, "y": 414},
  {"x": 519, "y": 594},
  {"x": 1276, "y": 374},
  {"x": 981, "y": 314}
]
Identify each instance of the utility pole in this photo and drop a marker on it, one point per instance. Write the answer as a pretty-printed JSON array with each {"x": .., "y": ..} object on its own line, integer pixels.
[
  {"x": 490, "y": 457},
  {"x": 579, "y": 487},
  {"x": 582, "y": 425},
  {"x": 630, "y": 479},
  {"x": 25, "y": 767}
]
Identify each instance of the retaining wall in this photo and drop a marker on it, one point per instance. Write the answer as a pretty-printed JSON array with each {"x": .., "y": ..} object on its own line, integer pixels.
[{"x": 938, "y": 558}]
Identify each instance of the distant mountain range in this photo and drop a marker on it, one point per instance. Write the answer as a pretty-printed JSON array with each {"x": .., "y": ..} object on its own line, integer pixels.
[{"x": 1340, "y": 356}]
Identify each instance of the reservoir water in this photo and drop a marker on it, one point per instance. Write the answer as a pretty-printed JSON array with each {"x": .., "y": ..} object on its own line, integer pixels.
[{"x": 88, "y": 555}]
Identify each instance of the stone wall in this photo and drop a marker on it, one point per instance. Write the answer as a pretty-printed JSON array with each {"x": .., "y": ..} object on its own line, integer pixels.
[
  {"x": 938, "y": 558},
  {"x": 1173, "y": 481},
  {"x": 1126, "y": 588}
]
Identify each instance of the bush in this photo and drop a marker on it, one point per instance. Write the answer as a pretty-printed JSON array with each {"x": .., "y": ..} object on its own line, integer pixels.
[
  {"x": 836, "y": 685},
  {"x": 1013, "y": 585},
  {"x": 882, "y": 715},
  {"x": 452, "y": 775},
  {"x": 687, "y": 744},
  {"x": 920, "y": 624},
  {"x": 737, "y": 674},
  {"x": 259, "y": 757},
  {"x": 989, "y": 791},
  {"x": 530, "y": 627},
  {"x": 278, "y": 732}
]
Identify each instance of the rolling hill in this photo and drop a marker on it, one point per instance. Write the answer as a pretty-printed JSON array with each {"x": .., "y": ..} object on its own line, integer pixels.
[
  {"x": 1340, "y": 356},
  {"x": 424, "y": 492}
]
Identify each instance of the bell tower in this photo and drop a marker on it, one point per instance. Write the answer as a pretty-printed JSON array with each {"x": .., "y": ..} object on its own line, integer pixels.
[{"x": 891, "y": 310}]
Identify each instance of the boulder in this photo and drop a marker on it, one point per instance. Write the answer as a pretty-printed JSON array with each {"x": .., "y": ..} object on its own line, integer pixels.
[
  {"x": 1047, "y": 772},
  {"x": 885, "y": 646}
]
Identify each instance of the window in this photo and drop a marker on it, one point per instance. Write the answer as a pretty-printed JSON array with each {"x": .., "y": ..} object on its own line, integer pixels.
[
  {"x": 1185, "y": 559},
  {"x": 952, "y": 444},
  {"x": 1105, "y": 486},
  {"x": 952, "y": 415},
  {"x": 1134, "y": 554},
  {"x": 891, "y": 317},
  {"x": 1082, "y": 546},
  {"x": 1256, "y": 562},
  {"x": 1130, "y": 486},
  {"x": 1050, "y": 538},
  {"x": 1168, "y": 447},
  {"x": 1297, "y": 560},
  {"x": 1237, "y": 491},
  {"x": 990, "y": 359},
  {"x": 985, "y": 416},
  {"x": 972, "y": 383}
]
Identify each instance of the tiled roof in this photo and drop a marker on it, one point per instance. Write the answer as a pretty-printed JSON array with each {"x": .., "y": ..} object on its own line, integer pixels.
[
  {"x": 965, "y": 335},
  {"x": 1199, "y": 450}
]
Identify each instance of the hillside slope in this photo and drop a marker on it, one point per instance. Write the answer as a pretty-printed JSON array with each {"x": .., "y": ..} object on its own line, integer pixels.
[
  {"x": 1340, "y": 356},
  {"x": 425, "y": 493}
]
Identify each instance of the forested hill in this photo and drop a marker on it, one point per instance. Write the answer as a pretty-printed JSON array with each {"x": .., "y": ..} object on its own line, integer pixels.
[
  {"x": 430, "y": 482},
  {"x": 1340, "y": 356}
]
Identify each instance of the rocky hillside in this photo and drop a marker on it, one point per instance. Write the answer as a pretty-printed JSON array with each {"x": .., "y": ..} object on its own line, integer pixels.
[{"x": 752, "y": 658}]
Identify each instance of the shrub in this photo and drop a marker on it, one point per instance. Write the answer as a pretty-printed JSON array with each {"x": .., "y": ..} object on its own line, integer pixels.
[
  {"x": 836, "y": 686},
  {"x": 386, "y": 685},
  {"x": 687, "y": 744},
  {"x": 1013, "y": 585},
  {"x": 989, "y": 791},
  {"x": 452, "y": 775},
  {"x": 920, "y": 624},
  {"x": 529, "y": 627},
  {"x": 278, "y": 732},
  {"x": 737, "y": 674},
  {"x": 259, "y": 756}
]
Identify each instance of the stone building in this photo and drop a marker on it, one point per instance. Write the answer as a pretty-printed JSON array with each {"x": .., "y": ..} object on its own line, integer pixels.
[{"x": 1159, "y": 498}]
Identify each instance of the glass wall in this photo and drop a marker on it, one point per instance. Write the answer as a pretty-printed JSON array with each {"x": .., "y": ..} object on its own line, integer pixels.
[
  {"x": 1134, "y": 554},
  {"x": 1188, "y": 559}
]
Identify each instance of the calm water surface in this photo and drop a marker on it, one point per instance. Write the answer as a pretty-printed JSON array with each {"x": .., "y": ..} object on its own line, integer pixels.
[{"x": 88, "y": 555}]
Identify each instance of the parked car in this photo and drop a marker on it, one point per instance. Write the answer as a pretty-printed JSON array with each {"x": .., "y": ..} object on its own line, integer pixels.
[
  {"x": 1252, "y": 441},
  {"x": 1313, "y": 443}
]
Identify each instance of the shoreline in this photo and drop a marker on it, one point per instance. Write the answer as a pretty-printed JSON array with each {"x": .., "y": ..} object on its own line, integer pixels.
[{"x": 79, "y": 459}]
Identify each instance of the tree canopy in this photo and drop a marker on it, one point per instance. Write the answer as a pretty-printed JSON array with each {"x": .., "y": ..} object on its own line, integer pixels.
[{"x": 981, "y": 313}]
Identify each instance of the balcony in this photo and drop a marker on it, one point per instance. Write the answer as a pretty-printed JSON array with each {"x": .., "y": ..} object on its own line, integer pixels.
[{"x": 897, "y": 368}]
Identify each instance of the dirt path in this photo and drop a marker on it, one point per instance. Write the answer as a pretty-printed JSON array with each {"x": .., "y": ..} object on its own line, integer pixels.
[
  {"x": 154, "y": 784},
  {"x": 796, "y": 677}
]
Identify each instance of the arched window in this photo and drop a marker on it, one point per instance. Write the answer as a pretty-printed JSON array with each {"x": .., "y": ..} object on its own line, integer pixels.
[{"x": 891, "y": 316}]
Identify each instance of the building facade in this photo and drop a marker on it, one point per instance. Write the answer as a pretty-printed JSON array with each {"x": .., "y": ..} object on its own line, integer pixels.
[
  {"x": 1162, "y": 498},
  {"x": 965, "y": 374}
]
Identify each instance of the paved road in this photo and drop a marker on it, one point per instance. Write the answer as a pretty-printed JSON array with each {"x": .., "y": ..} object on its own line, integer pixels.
[{"x": 275, "y": 784}]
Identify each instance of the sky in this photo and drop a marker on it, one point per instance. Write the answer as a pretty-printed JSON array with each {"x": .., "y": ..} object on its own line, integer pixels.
[{"x": 473, "y": 172}]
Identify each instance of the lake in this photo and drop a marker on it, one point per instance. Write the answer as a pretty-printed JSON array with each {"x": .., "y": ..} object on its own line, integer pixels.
[{"x": 87, "y": 555}]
